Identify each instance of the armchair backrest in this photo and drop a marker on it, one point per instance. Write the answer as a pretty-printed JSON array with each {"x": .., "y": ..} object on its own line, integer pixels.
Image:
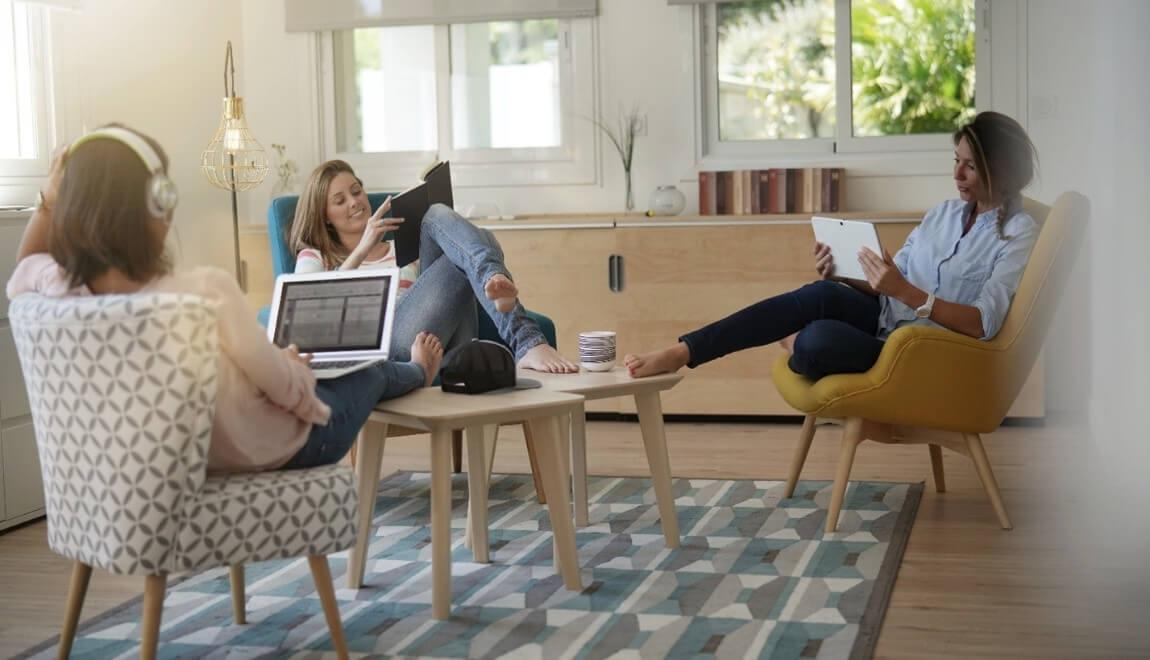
[
  {"x": 122, "y": 390},
  {"x": 1051, "y": 261},
  {"x": 280, "y": 216}
]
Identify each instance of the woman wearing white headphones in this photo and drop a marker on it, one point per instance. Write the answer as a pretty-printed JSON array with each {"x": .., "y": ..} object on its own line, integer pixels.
[{"x": 100, "y": 227}]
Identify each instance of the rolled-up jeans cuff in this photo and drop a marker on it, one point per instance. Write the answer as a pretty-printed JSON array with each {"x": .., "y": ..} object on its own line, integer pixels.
[{"x": 686, "y": 339}]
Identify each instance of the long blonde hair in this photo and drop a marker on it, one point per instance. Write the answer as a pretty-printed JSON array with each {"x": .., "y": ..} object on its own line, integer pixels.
[{"x": 309, "y": 227}]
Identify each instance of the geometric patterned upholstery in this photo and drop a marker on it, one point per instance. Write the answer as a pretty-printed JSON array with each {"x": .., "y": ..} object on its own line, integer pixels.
[{"x": 122, "y": 390}]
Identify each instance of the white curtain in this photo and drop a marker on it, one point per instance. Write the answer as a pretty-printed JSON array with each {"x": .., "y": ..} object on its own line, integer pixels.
[{"x": 311, "y": 16}]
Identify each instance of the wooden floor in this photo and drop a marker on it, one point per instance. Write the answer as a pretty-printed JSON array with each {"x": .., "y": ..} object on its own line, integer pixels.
[{"x": 1060, "y": 585}]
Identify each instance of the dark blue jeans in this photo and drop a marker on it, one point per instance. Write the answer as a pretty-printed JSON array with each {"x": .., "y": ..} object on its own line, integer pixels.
[
  {"x": 351, "y": 399},
  {"x": 836, "y": 323}
]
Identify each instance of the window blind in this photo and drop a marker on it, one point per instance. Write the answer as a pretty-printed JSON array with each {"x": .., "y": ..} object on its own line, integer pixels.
[{"x": 311, "y": 16}]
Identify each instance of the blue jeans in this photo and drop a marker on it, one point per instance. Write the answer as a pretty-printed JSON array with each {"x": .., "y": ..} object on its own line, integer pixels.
[
  {"x": 351, "y": 398},
  {"x": 456, "y": 259},
  {"x": 836, "y": 323}
]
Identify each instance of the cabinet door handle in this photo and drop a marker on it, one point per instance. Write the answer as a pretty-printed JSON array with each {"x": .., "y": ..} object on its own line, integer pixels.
[{"x": 615, "y": 273}]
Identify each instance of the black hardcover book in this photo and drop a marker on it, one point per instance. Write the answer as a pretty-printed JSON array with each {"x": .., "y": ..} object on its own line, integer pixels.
[{"x": 413, "y": 203}]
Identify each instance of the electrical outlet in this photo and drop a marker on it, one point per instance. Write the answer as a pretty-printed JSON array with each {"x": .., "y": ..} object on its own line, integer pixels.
[{"x": 641, "y": 125}]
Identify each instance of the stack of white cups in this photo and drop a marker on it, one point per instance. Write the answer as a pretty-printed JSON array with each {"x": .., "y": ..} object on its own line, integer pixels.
[{"x": 597, "y": 350}]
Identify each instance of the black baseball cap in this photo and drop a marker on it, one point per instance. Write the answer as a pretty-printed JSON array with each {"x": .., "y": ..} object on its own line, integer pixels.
[{"x": 481, "y": 366}]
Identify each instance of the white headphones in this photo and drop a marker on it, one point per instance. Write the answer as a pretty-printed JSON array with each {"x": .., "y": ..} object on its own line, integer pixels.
[{"x": 161, "y": 191}]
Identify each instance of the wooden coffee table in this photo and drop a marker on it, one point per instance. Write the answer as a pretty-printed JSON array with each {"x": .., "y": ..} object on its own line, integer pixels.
[
  {"x": 441, "y": 413},
  {"x": 604, "y": 385}
]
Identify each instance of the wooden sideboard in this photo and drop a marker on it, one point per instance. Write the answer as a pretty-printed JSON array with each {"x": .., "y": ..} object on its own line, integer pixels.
[{"x": 674, "y": 275}]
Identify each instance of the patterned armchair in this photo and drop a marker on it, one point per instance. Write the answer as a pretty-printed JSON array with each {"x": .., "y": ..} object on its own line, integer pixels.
[{"x": 122, "y": 390}]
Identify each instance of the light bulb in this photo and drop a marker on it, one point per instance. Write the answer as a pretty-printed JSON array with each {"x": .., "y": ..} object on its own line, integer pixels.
[{"x": 233, "y": 137}]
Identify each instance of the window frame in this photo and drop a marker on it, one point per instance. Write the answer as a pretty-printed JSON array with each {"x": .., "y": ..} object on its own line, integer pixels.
[
  {"x": 844, "y": 147},
  {"x": 23, "y": 172},
  {"x": 571, "y": 163}
]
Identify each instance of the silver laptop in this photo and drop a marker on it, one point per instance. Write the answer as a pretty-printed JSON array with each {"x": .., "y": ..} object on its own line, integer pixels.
[{"x": 342, "y": 318}]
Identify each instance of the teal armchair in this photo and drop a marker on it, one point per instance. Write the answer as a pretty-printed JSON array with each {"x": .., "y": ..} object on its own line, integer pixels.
[{"x": 280, "y": 215}]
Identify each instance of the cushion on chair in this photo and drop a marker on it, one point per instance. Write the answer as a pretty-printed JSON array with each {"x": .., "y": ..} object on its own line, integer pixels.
[
  {"x": 269, "y": 515},
  {"x": 935, "y": 378}
]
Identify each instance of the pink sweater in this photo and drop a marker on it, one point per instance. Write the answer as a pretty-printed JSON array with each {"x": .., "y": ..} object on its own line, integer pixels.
[{"x": 265, "y": 401}]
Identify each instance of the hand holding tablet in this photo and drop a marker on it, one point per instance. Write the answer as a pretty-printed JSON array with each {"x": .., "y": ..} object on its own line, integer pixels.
[{"x": 846, "y": 238}]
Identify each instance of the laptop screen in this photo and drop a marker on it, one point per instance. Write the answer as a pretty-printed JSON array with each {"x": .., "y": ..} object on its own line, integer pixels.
[{"x": 346, "y": 314}]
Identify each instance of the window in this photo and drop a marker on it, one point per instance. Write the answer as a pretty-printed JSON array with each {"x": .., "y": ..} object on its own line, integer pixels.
[
  {"x": 25, "y": 126},
  {"x": 501, "y": 100},
  {"x": 822, "y": 76}
]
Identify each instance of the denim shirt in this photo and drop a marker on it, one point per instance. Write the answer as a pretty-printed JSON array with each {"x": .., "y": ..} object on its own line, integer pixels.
[{"x": 979, "y": 269}]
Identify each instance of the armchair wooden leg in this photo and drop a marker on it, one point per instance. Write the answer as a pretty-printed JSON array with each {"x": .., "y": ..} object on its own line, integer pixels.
[
  {"x": 800, "y": 457},
  {"x": 321, "y": 574},
  {"x": 936, "y": 466},
  {"x": 530, "y": 440},
  {"x": 982, "y": 466},
  {"x": 457, "y": 451},
  {"x": 238, "y": 609},
  {"x": 852, "y": 436},
  {"x": 154, "y": 587},
  {"x": 81, "y": 575}
]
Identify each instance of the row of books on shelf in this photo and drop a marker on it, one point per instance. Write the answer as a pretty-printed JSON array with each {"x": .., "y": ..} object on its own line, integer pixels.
[{"x": 777, "y": 190}]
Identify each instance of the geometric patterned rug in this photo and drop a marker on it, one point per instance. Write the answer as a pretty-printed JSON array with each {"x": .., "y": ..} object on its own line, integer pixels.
[{"x": 755, "y": 577}]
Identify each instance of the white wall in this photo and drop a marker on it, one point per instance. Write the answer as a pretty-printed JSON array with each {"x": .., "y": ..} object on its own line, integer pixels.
[{"x": 158, "y": 67}]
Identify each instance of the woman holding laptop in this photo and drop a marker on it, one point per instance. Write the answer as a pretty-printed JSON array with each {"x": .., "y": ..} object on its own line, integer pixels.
[
  {"x": 958, "y": 269},
  {"x": 335, "y": 229},
  {"x": 100, "y": 229}
]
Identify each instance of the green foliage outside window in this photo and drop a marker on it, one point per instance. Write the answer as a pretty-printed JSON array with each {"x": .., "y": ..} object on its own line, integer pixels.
[{"x": 912, "y": 66}]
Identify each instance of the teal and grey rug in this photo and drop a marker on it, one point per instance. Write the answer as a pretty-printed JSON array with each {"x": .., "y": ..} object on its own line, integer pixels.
[{"x": 755, "y": 577}]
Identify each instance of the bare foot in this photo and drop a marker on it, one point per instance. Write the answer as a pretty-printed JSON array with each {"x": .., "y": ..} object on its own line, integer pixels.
[
  {"x": 548, "y": 360},
  {"x": 666, "y": 361},
  {"x": 788, "y": 343},
  {"x": 427, "y": 352},
  {"x": 503, "y": 291}
]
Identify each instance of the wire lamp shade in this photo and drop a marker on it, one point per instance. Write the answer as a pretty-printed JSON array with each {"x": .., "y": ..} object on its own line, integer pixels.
[{"x": 234, "y": 159}]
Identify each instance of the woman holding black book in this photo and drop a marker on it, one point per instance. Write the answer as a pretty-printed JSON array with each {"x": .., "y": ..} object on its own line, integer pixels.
[
  {"x": 459, "y": 263},
  {"x": 958, "y": 270}
]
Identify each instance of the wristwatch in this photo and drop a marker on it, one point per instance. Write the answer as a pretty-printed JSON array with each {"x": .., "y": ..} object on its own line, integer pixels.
[{"x": 924, "y": 311}]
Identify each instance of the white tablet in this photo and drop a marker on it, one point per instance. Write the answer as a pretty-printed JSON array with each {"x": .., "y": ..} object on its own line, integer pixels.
[{"x": 846, "y": 239}]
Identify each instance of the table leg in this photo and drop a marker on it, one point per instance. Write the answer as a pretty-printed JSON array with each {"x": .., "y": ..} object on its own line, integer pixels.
[
  {"x": 579, "y": 465},
  {"x": 655, "y": 442},
  {"x": 369, "y": 453},
  {"x": 546, "y": 434},
  {"x": 476, "y": 536},
  {"x": 490, "y": 435},
  {"x": 441, "y": 523},
  {"x": 565, "y": 463}
]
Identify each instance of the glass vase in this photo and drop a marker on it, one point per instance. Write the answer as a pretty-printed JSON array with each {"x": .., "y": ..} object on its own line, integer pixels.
[{"x": 630, "y": 201}]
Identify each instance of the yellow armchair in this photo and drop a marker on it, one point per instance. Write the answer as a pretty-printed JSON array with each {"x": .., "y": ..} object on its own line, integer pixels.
[{"x": 930, "y": 380}]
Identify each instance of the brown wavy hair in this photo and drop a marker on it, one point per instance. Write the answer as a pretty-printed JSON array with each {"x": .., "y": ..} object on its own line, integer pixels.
[
  {"x": 309, "y": 227},
  {"x": 1006, "y": 160},
  {"x": 101, "y": 219}
]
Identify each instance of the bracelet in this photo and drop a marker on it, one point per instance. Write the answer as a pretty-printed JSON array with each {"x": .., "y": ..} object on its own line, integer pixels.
[{"x": 42, "y": 202}]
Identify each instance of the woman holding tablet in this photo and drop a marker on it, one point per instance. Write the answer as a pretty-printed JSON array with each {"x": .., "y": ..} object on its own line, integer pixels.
[{"x": 958, "y": 270}]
